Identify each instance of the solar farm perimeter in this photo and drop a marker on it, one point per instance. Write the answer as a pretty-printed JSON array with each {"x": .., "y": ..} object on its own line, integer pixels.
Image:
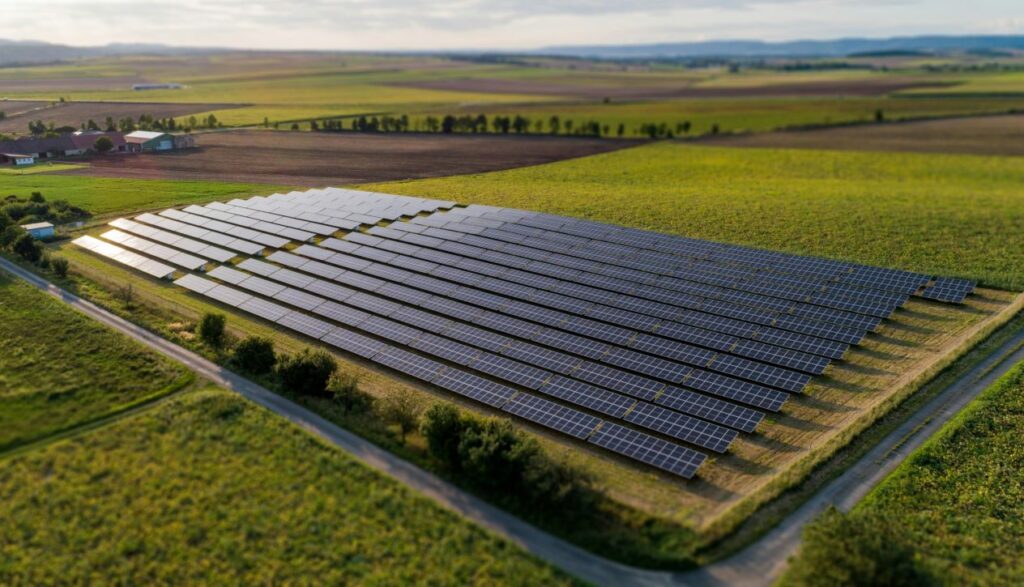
[{"x": 713, "y": 370}]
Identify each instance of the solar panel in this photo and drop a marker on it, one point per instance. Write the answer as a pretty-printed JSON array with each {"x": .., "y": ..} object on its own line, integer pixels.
[
  {"x": 474, "y": 387},
  {"x": 648, "y": 449},
  {"x": 353, "y": 342},
  {"x": 551, "y": 415},
  {"x": 680, "y": 427}
]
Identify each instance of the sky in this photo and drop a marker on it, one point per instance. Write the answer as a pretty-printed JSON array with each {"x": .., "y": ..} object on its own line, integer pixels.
[{"x": 375, "y": 25}]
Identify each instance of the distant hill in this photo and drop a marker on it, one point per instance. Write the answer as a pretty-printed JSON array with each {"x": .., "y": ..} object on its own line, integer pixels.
[
  {"x": 807, "y": 48},
  {"x": 35, "y": 52}
]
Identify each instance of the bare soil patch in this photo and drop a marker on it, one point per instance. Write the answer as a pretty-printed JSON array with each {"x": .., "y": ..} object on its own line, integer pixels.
[
  {"x": 979, "y": 135},
  {"x": 75, "y": 113},
  {"x": 878, "y": 87},
  {"x": 322, "y": 159},
  {"x": 14, "y": 107}
]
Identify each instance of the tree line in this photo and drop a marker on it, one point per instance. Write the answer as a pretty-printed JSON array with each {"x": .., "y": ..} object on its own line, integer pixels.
[
  {"x": 500, "y": 124},
  {"x": 38, "y": 128}
]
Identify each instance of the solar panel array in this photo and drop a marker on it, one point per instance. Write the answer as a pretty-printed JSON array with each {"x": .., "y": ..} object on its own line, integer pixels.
[{"x": 661, "y": 349}]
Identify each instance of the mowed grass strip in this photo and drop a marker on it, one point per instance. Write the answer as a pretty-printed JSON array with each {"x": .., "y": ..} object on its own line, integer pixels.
[
  {"x": 103, "y": 196},
  {"x": 59, "y": 369},
  {"x": 955, "y": 215},
  {"x": 210, "y": 489}
]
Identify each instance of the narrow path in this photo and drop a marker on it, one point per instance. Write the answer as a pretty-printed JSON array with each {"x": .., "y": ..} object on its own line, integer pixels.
[{"x": 759, "y": 564}]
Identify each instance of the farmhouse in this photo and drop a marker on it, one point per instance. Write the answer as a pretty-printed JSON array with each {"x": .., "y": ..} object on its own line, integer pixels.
[
  {"x": 144, "y": 140},
  {"x": 70, "y": 145},
  {"x": 16, "y": 159},
  {"x": 40, "y": 230}
]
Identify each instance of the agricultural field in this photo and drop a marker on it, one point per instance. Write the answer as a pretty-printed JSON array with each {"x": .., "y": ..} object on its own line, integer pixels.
[
  {"x": 322, "y": 159},
  {"x": 284, "y": 88},
  {"x": 955, "y": 215},
  {"x": 102, "y": 196},
  {"x": 956, "y": 500},
  {"x": 230, "y": 493},
  {"x": 80, "y": 373},
  {"x": 987, "y": 135}
]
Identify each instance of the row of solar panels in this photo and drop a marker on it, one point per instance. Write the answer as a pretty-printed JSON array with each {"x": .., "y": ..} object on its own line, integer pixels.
[
  {"x": 781, "y": 264},
  {"x": 747, "y": 278},
  {"x": 617, "y": 438}
]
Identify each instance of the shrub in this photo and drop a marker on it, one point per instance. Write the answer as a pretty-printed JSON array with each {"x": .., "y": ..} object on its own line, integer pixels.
[
  {"x": 37, "y": 197},
  {"x": 60, "y": 266},
  {"x": 211, "y": 329},
  {"x": 27, "y": 247},
  {"x": 442, "y": 427},
  {"x": 9, "y": 235},
  {"x": 344, "y": 388},
  {"x": 255, "y": 355},
  {"x": 402, "y": 408},
  {"x": 495, "y": 455},
  {"x": 103, "y": 144},
  {"x": 855, "y": 549},
  {"x": 307, "y": 373}
]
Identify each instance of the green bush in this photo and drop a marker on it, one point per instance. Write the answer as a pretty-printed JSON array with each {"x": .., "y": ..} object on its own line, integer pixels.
[
  {"x": 255, "y": 355},
  {"x": 855, "y": 550},
  {"x": 401, "y": 408},
  {"x": 442, "y": 426},
  {"x": 59, "y": 265},
  {"x": 493, "y": 457},
  {"x": 27, "y": 247},
  {"x": 9, "y": 235},
  {"x": 307, "y": 373},
  {"x": 211, "y": 329},
  {"x": 344, "y": 388}
]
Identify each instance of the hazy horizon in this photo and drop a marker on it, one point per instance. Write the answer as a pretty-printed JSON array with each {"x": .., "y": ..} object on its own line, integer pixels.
[{"x": 401, "y": 25}]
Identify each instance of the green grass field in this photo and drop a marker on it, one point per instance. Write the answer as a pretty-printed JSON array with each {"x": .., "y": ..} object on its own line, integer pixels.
[
  {"x": 954, "y": 215},
  {"x": 957, "y": 500},
  {"x": 102, "y": 196},
  {"x": 36, "y": 169},
  {"x": 59, "y": 369},
  {"x": 210, "y": 489}
]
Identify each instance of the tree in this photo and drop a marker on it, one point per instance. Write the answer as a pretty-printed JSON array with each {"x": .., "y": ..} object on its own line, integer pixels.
[
  {"x": 714, "y": 129},
  {"x": 126, "y": 293},
  {"x": 555, "y": 125},
  {"x": 344, "y": 388},
  {"x": 37, "y": 197},
  {"x": 621, "y": 130},
  {"x": 442, "y": 426},
  {"x": 879, "y": 115},
  {"x": 59, "y": 266},
  {"x": 103, "y": 145},
  {"x": 306, "y": 373},
  {"x": 448, "y": 124},
  {"x": 211, "y": 329},
  {"x": 255, "y": 354},
  {"x": 402, "y": 409},
  {"x": 494, "y": 455},
  {"x": 10, "y": 235},
  {"x": 28, "y": 248},
  {"x": 862, "y": 549}
]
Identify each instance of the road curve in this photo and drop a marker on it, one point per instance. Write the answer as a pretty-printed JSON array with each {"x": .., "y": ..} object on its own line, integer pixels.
[{"x": 759, "y": 564}]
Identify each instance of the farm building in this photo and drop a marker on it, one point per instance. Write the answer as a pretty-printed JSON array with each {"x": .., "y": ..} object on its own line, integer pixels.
[
  {"x": 40, "y": 230},
  {"x": 16, "y": 159},
  {"x": 70, "y": 145},
  {"x": 144, "y": 140}
]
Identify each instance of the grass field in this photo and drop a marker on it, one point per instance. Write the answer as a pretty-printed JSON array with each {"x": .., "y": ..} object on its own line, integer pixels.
[
  {"x": 102, "y": 196},
  {"x": 958, "y": 498},
  {"x": 209, "y": 489},
  {"x": 36, "y": 169},
  {"x": 59, "y": 369},
  {"x": 955, "y": 215}
]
